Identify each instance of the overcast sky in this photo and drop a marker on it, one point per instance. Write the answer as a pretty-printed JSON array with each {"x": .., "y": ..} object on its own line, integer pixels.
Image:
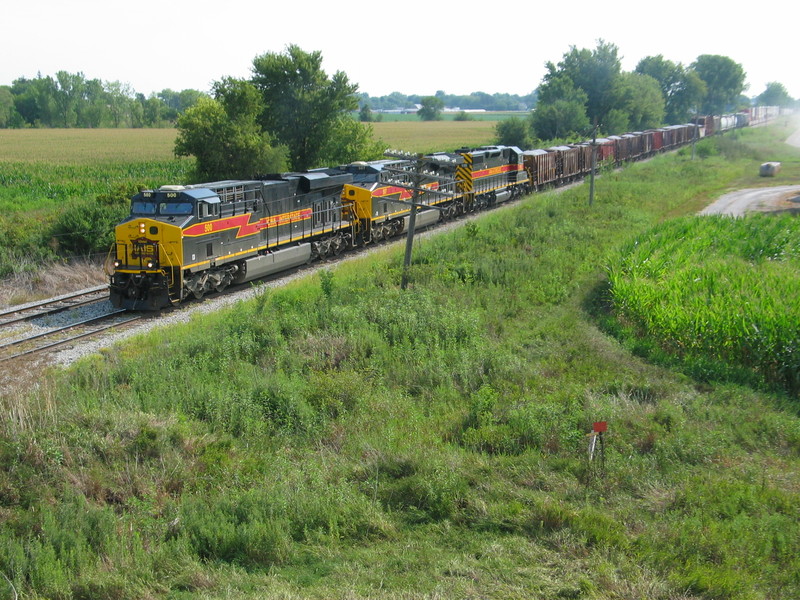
[{"x": 412, "y": 47}]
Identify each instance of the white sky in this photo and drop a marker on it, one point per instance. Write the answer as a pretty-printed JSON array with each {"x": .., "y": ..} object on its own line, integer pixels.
[{"x": 412, "y": 47}]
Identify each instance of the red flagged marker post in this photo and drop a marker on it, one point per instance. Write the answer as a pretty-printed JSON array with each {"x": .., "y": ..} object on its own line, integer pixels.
[{"x": 598, "y": 429}]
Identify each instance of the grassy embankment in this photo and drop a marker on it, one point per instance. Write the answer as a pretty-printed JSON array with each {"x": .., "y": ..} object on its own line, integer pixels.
[{"x": 341, "y": 438}]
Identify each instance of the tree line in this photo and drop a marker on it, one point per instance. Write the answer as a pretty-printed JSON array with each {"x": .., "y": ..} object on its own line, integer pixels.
[
  {"x": 588, "y": 91},
  {"x": 475, "y": 100},
  {"x": 73, "y": 100},
  {"x": 291, "y": 115}
]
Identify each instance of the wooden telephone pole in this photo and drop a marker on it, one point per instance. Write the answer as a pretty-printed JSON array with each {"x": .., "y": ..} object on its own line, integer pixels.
[
  {"x": 419, "y": 184},
  {"x": 594, "y": 163}
]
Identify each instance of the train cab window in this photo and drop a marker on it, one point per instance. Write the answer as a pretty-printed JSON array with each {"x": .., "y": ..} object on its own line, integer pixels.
[
  {"x": 175, "y": 208},
  {"x": 143, "y": 208}
]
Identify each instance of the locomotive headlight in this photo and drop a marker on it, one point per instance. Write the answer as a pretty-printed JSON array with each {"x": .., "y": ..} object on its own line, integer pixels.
[
  {"x": 150, "y": 264},
  {"x": 141, "y": 228},
  {"x": 117, "y": 263}
]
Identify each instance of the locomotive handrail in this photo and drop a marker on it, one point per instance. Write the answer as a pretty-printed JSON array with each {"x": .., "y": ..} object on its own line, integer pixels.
[{"x": 172, "y": 273}]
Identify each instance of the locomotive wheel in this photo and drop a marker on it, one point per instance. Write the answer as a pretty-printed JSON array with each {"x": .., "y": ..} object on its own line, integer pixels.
[{"x": 199, "y": 293}]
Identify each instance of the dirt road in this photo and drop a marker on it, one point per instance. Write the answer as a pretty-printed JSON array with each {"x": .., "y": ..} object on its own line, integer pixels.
[{"x": 785, "y": 198}]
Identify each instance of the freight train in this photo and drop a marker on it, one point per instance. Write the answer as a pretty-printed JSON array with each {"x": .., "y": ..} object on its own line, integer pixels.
[{"x": 183, "y": 242}]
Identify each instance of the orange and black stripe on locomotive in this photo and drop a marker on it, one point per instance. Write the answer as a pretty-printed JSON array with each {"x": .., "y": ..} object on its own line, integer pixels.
[
  {"x": 190, "y": 240},
  {"x": 491, "y": 174}
]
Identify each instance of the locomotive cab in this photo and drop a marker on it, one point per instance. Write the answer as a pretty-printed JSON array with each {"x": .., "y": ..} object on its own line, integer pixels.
[{"x": 148, "y": 251}]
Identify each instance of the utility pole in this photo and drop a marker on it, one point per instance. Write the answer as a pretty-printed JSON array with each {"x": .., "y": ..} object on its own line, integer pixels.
[
  {"x": 412, "y": 221},
  {"x": 594, "y": 163},
  {"x": 417, "y": 189},
  {"x": 694, "y": 132}
]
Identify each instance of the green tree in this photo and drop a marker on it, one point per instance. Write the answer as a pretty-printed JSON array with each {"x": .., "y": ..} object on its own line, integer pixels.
[
  {"x": 68, "y": 91},
  {"x": 8, "y": 114},
  {"x": 91, "y": 110},
  {"x": 641, "y": 102},
  {"x": 682, "y": 88},
  {"x": 350, "y": 141},
  {"x": 724, "y": 81},
  {"x": 561, "y": 107},
  {"x": 301, "y": 104},
  {"x": 119, "y": 99},
  {"x": 224, "y": 136},
  {"x": 365, "y": 113},
  {"x": 559, "y": 119},
  {"x": 774, "y": 95},
  {"x": 34, "y": 100},
  {"x": 596, "y": 72},
  {"x": 431, "y": 109},
  {"x": 514, "y": 131}
]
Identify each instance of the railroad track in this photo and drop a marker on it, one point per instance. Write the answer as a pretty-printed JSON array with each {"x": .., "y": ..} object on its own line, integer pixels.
[
  {"x": 45, "y": 325},
  {"x": 53, "y": 306}
]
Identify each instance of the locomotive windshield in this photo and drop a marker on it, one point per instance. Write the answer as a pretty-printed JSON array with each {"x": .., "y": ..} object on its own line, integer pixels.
[
  {"x": 143, "y": 208},
  {"x": 175, "y": 208}
]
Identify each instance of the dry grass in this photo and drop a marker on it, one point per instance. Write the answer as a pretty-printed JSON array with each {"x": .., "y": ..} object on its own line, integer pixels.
[
  {"x": 86, "y": 146},
  {"x": 52, "y": 281},
  {"x": 433, "y": 136}
]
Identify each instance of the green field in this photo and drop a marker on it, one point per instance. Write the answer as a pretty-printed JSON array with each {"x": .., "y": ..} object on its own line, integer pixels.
[
  {"x": 434, "y": 136},
  {"x": 342, "y": 438},
  {"x": 86, "y": 146},
  {"x": 737, "y": 312}
]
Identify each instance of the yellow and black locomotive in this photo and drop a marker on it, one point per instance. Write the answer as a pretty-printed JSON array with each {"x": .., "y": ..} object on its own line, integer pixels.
[
  {"x": 186, "y": 241},
  {"x": 182, "y": 241}
]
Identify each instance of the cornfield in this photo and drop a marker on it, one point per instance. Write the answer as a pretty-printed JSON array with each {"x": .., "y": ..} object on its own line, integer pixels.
[{"x": 720, "y": 290}]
